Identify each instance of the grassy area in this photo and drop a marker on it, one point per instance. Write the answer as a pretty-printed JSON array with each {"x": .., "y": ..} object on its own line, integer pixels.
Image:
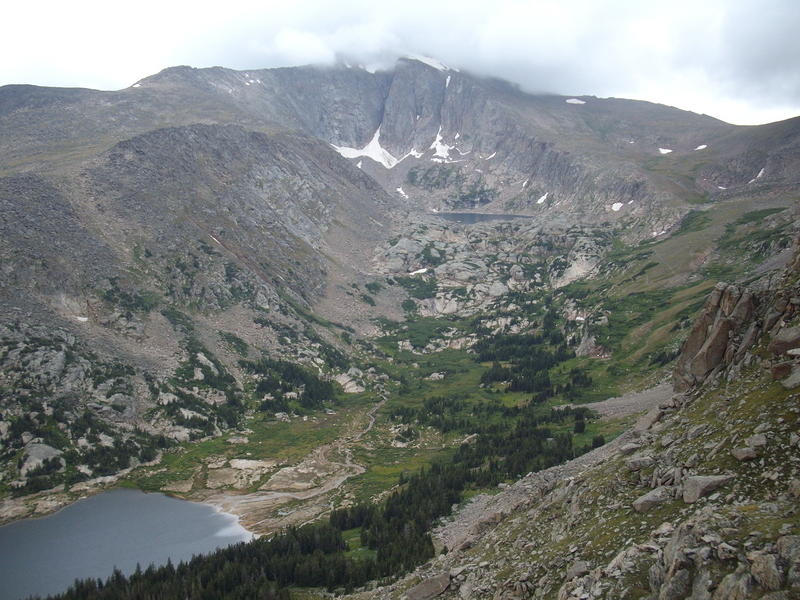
[
  {"x": 352, "y": 538},
  {"x": 273, "y": 440},
  {"x": 385, "y": 464}
]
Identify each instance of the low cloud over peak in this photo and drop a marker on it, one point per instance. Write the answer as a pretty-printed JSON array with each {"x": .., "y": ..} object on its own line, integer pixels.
[{"x": 735, "y": 60}]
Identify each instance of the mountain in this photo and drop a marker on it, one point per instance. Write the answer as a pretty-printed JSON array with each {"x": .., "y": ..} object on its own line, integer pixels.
[{"x": 255, "y": 288}]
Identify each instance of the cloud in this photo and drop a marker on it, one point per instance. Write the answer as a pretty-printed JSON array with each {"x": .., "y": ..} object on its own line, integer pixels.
[{"x": 735, "y": 59}]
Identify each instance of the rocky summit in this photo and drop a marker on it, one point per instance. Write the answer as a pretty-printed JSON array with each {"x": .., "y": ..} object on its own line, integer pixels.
[{"x": 461, "y": 340}]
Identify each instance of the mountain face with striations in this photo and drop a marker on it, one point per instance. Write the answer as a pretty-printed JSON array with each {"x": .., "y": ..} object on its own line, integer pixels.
[{"x": 213, "y": 255}]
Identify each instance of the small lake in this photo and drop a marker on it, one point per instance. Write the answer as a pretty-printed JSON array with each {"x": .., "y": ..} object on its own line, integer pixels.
[
  {"x": 119, "y": 528},
  {"x": 472, "y": 218}
]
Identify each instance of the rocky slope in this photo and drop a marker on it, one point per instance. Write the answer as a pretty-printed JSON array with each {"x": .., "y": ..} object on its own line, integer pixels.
[
  {"x": 698, "y": 500},
  {"x": 134, "y": 283}
]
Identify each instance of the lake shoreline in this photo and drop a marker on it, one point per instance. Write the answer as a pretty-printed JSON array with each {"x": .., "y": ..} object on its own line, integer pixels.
[{"x": 107, "y": 529}]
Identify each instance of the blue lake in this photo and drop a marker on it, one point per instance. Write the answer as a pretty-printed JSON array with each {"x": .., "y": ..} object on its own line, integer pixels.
[
  {"x": 472, "y": 218},
  {"x": 119, "y": 528}
]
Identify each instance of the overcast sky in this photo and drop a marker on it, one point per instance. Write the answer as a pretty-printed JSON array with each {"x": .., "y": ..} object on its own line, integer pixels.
[{"x": 738, "y": 60}]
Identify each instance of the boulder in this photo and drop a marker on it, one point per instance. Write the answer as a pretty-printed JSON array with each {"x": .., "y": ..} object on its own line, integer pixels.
[
  {"x": 697, "y": 486},
  {"x": 647, "y": 420},
  {"x": 734, "y": 586},
  {"x": 764, "y": 569},
  {"x": 676, "y": 587},
  {"x": 429, "y": 588},
  {"x": 653, "y": 498},
  {"x": 759, "y": 440},
  {"x": 629, "y": 448},
  {"x": 794, "y": 488},
  {"x": 781, "y": 370},
  {"x": 793, "y": 380},
  {"x": 785, "y": 340},
  {"x": 746, "y": 453},
  {"x": 578, "y": 569},
  {"x": 788, "y": 548},
  {"x": 637, "y": 463}
]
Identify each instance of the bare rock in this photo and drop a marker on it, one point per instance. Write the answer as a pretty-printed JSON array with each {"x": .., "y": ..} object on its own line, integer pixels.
[
  {"x": 697, "y": 486},
  {"x": 759, "y": 440},
  {"x": 653, "y": 498},
  {"x": 637, "y": 463},
  {"x": 794, "y": 488},
  {"x": 793, "y": 380},
  {"x": 764, "y": 569},
  {"x": 746, "y": 453},
  {"x": 676, "y": 587},
  {"x": 578, "y": 569},
  {"x": 647, "y": 420},
  {"x": 629, "y": 448},
  {"x": 785, "y": 340},
  {"x": 781, "y": 370},
  {"x": 35, "y": 455},
  {"x": 734, "y": 586},
  {"x": 429, "y": 588},
  {"x": 788, "y": 548}
]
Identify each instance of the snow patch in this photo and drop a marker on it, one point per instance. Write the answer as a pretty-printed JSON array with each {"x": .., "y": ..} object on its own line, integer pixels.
[
  {"x": 447, "y": 82},
  {"x": 424, "y": 269},
  {"x": 458, "y": 135},
  {"x": 664, "y": 150},
  {"x": 525, "y": 183},
  {"x": 441, "y": 149},
  {"x": 543, "y": 198},
  {"x": 413, "y": 153},
  {"x": 492, "y": 155},
  {"x": 759, "y": 176},
  {"x": 574, "y": 101},
  {"x": 137, "y": 85},
  {"x": 616, "y": 206},
  {"x": 81, "y": 319},
  {"x": 402, "y": 193},
  {"x": 702, "y": 147},
  {"x": 359, "y": 163},
  {"x": 213, "y": 238},
  {"x": 372, "y": 150},
  {"x": 721, "y": 187}
]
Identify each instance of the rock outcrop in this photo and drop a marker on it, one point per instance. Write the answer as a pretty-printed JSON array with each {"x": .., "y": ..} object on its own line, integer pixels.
[{"x": 732, "y": 322}]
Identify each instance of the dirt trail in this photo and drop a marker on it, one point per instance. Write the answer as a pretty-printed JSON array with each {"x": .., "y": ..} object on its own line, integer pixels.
[{"x": 313, "y": 479}]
